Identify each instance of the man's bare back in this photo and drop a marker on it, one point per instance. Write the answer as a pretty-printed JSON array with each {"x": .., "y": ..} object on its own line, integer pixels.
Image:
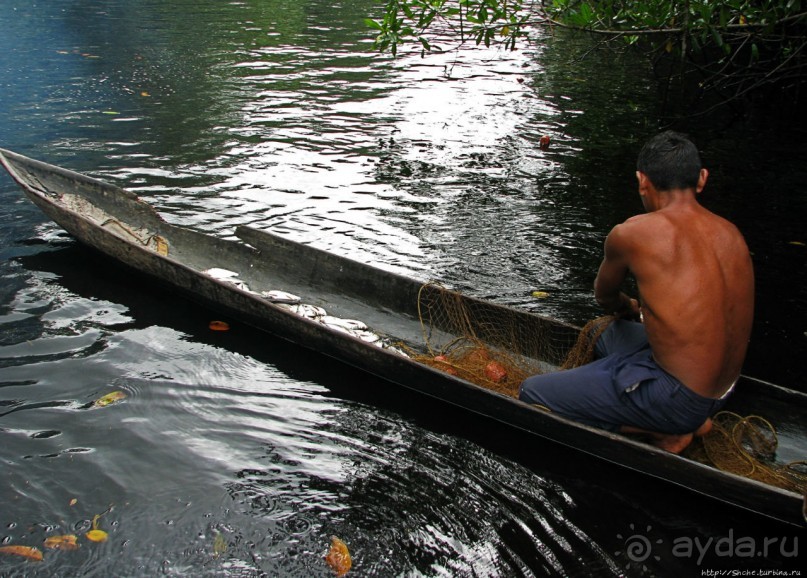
[
  {"x": 696, "y": 285},
  {"x": 666, "y": 377}
]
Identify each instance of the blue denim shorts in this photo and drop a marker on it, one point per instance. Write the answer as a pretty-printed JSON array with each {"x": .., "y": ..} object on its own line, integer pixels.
[{"x": 624, "y": 387}]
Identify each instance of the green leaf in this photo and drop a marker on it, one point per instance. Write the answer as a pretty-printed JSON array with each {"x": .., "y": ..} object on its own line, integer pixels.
[{"x": 370, "y": 23}]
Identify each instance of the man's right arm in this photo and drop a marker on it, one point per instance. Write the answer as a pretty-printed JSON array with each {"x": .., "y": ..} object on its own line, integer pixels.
[{"x": 613, "y": 270}]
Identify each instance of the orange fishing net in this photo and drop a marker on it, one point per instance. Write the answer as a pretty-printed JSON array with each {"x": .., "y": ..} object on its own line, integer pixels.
[{"x": 486, "y": 344}]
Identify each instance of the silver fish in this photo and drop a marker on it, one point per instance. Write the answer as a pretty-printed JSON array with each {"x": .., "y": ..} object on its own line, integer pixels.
[
  {"x": 366, "y": 336},
  {"x": 277, "y": 296},
  {"x": 348, "y": 324},
  {"x": 220, "y": 274},
  {"x": 394, "y": 349},
  {"x": 306, "y": 310}
]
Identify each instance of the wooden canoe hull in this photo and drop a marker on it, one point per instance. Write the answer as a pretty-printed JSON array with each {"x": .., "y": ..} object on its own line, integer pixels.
[{"x": 384, "y": 301}]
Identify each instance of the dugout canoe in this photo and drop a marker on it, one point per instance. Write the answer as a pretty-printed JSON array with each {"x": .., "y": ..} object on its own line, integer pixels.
[{"x": 118, "y": 224}]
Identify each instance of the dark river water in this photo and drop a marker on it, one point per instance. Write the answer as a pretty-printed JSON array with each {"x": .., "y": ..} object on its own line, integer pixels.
[{"x": 240, "y": 455}]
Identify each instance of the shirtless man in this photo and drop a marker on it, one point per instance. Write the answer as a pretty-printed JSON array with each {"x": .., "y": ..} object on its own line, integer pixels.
[{"x": 666, "y": 376}]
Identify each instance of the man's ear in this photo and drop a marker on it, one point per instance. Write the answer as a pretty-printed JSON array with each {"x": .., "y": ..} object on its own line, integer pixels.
[
  {"x": 643, "y": 182},
  {"x": 702, "y": 178}
]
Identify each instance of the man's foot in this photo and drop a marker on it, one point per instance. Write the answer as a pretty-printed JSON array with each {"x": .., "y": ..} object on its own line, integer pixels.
[
  {"x": 705, "y": 428},
  {"x": 673, "y": 443}
]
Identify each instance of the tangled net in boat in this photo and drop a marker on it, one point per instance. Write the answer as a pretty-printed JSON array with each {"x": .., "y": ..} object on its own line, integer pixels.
[
  {"x": 582, "y": 351},
  {"x": 489, "y": 346},
  {"x": 746, "y": 446}
]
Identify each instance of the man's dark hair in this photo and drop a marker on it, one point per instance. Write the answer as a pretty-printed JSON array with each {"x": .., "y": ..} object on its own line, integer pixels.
[{"x": 670, "y": 161}]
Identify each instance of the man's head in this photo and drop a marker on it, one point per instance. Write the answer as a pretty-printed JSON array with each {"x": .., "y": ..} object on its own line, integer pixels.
[{"x": 670, "y": 161}]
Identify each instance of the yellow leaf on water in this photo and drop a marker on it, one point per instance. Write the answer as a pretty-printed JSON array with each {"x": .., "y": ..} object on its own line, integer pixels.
[
  {"x": 219, "y": 545},
  {"x": 540, "y": 294},
  {"x": 66, "y": 542},
  {"x": 144, "y": 93},
  {"x": 74, "y": 501},
  {"x": 797, "y": 243},
  {"x": 24, "y": 551},
  {"x": 110, "y": 112},
  {"x": 338, "y": 557},
  {"x": 97, "y": 536},
  {"x": 109, "y": 399}
]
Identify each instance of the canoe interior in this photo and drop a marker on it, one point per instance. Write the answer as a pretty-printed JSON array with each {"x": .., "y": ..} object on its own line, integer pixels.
[
  {"x": 785, "y": 409},
  {"x": 117, "y": 223}
]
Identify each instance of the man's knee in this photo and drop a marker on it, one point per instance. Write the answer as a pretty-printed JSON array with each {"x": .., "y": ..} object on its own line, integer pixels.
[{"x": 526, "y": 391}]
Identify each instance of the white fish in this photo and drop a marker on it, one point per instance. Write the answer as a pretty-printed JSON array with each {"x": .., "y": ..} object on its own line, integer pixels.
[
  {"x": 366, "y": 336},
  {"x": 227, "y": 276},
  {"x": 306, "y": 310},
  {"x": 277, "y": 296},
  {"x": 348, "y": 324},
  {"x": 220, "y": 274},
  {"x": 395, "y": 350},
  {"x": 336, "y": 327}
]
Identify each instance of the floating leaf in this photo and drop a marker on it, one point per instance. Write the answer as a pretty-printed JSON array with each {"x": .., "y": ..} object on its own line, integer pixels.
[
  {"x": 219, "y": 545},
  {"x": 110, "y": 112},
  {"x": 109, "y": 399},
  {"x": 797, "y": 243},
  {"x": 97, "y": 536},
  {"x": 219, "y": 326},
  {"x": 144, "y": 93},
  {"x": 540, "y": 294},
  {"x": 66, "y": 542},
  {"x": 74, "y": 501},
  {"x": 24, "y": 551},
  {"x": 338, "y": 557}
]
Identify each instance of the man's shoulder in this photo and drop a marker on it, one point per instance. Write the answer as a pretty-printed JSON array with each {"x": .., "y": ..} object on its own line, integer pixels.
[{"x": 640, "y": 224}]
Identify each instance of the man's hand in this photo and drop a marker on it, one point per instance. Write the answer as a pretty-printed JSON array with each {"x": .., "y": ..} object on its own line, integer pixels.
[{"x": 629, "y": 308}]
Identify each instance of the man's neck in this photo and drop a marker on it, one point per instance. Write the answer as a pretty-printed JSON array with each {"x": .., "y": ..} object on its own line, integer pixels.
[{"x": 676, "y": 200}]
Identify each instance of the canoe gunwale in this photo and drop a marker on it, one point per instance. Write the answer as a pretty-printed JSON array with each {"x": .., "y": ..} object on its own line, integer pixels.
[{"x": 742, "y": 492}]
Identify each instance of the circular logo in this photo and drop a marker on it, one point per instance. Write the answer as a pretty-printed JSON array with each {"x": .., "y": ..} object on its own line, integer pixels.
[{"x": 638, "y": 546}]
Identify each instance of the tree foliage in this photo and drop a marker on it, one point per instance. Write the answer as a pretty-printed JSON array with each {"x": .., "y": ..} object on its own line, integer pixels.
[{"x": 731, "y": 48}]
